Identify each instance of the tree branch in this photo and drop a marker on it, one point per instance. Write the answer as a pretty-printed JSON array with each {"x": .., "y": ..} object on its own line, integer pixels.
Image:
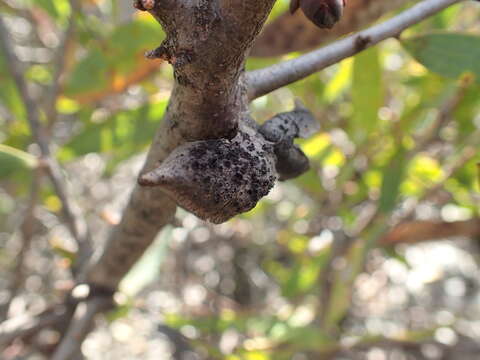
[
  {"x": 25, "y": 326},
  {"x": 27, "y": 231},
  {"x": 74, "y": 220},
  {"x": 60, "y": 63},
  {"x": 207, "y": 44},
  {"x": 294, "y": 32},
  {"x": 419, "y": 231},
  {"x": 263, "y": 81},
  {"x": 80, "y": 326}
]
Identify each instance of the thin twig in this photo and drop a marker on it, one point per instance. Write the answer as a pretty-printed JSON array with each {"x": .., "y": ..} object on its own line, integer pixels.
[
  {"x": 443, "y": 117},
  {"x": 80, "y": 326},
  {"x": 60, "y": 63},
  {"x": 74, "y": 219},
  {"x": 27, "y": 231},
  {"x": 25, "y": 326},
  {"x": 276, "y": 38},
  {"x": 418, "y": 231},
  {"x": 266, "y": 80},
  {"x": 467, "y": 154},
  {"x": 375, "y": 216}
]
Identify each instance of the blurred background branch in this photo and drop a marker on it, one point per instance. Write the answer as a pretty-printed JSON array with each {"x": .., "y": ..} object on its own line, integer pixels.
[{"x": 73, "y": 217}]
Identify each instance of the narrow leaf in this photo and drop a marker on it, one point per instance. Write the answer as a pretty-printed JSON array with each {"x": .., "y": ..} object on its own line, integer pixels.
[
  {"x": 13, "y": 160},
  {"x": 448, "y": 54},
  {"x": 367, "y": 93}
]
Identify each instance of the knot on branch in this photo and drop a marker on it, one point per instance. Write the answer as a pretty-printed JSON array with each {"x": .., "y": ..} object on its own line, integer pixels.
[
  {"x": 281, "y": 130},
  {"x": 167, "y": 51},
  {"x": 217, "y": 179}
]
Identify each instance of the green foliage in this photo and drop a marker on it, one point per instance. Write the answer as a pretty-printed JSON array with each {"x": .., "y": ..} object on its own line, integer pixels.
[
  {"x": 367, "y": 94},
  {"x": 393, "y": 175},
  {"x": 14, "y": 161},
  {"x": 59, "y": 10},
  {"x": 119, "y": 136},
  {"x": 115, "y": 57},
  {"x": 90, "y": 74},
  {"x": 448, "y": 54},
  {"x": 9, "y": 94}
]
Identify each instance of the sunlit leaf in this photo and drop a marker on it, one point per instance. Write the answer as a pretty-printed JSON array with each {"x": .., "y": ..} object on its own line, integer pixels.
[
  {"x": 367, "y": 93},
  {"x": 448, "y": 54},
  {"x": 117, "y": 62},
  {"x": 13, "y": 160},
  {"x": 305, "y": 274},
  {"x": 340, "y": 297},
  {"x": 393, "y": 175},
  {"x": 121, "y": 135},
  {"x": 340, "y": 81},
  {"x": 9, "y": 93},
  {"x": 57, "y": 9}
]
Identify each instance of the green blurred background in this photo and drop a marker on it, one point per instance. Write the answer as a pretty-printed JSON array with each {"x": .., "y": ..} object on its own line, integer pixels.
[{"x": 314, "y": 271}]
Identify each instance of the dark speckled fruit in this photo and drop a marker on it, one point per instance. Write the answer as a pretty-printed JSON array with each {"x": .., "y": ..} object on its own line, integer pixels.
[{"x": 217, "y": 179}]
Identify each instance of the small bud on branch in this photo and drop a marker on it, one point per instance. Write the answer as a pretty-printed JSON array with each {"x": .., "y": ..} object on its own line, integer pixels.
[{"x": 323, "y": 13}]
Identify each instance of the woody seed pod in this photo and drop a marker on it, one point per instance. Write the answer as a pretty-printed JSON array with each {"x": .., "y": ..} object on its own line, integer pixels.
[{"x": 217, "y": 179}]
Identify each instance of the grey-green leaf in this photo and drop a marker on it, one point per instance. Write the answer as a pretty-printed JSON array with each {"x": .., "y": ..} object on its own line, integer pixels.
[{"x": 448, "y": 54}]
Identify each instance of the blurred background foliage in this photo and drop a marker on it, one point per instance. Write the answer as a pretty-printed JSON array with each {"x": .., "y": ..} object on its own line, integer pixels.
[{"x": 316, "y": 270}]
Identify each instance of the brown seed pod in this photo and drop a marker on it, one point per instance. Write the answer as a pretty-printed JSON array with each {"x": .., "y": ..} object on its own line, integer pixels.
[
  {"x": 298, "y": 123},
  {"x": 281, "y": 130},
  {"x": 144, "y": 5},
  {"x": 323, "y": 13},
  {"x": 217, "y": 179}
]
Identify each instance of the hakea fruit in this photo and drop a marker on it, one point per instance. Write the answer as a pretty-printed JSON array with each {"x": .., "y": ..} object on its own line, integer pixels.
[
  {"x": 323, "y": 13},
  {"x": 217, "y": 179},
  {"x": 281, "y": 130}
]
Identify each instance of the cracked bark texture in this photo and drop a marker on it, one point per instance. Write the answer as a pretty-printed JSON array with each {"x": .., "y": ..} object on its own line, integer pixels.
[{"x": 207, "y": 42}]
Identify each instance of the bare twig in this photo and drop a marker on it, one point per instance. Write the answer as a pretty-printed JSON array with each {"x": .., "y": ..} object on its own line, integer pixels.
[
  {"x": 27, "y": 232},
  {"x": 60, "y": 64},
  {"x": 74, "y": 220},
  {"x": 451, "y": 168},
  {"x": 25, "y": 326},
  {"x": 383, "y": 342},
  {"x": 418, "y": 231},
  {"x": 265, "y": 80},
  {"x": 294, "y": 32},
  {"x": 80, "y": 326},
  {"x": 467, "y": 154},
  {"x": 426, "y": 140},
  {"x": 443, "y": 117}
]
